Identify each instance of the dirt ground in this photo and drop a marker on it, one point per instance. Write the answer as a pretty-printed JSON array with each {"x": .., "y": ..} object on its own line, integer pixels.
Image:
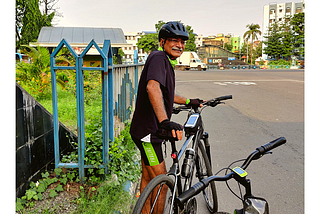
[{"x": 64, "y": 202}]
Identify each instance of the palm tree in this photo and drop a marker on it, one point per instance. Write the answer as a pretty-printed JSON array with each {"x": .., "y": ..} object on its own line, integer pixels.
[{"x": 252, "y": 33}]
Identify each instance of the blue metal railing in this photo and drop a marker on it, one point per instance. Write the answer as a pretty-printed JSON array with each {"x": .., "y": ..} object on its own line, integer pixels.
[{"x": 108, "y": 101}]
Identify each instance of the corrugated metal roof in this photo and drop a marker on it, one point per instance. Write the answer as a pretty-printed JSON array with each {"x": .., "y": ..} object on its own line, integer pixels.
[{"x": 81, "y": 35}]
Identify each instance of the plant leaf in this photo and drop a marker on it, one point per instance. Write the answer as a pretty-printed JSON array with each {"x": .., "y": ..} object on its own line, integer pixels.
[
  {"x": 41, "y": 188},
  {"x": 64, "y": 180},
  {"x": 59, "y": 188},
  {"x": 45, "y": 175},
  {"x": 53, "y": 193}
]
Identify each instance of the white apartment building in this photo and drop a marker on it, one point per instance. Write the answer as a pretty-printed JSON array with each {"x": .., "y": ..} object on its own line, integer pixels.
[
  {"x": 132, "y": 39},
  {"x": 199, "y": 40},
  {"x": 278, "y": 12}
]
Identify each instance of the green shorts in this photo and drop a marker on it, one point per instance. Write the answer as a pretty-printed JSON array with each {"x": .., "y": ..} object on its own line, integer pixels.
[{"x": 151, "y": 153}]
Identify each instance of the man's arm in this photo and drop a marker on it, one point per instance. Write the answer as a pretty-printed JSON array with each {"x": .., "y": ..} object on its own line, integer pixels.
[
  {"x": 156, "y": 100},
  {"x": 179, "y": 100}
]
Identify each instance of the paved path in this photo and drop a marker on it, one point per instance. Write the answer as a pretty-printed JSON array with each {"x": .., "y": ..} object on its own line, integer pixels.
[{"x": 266, "y": 104}]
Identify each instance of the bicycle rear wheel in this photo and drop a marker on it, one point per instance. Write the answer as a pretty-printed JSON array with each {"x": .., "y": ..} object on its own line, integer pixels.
[
  {"x": 150, "y": 200},
  {"x": 203, "y": 171}
]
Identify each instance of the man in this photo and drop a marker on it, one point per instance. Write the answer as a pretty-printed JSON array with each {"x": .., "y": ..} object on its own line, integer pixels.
[{"x": 155, "y": 98}]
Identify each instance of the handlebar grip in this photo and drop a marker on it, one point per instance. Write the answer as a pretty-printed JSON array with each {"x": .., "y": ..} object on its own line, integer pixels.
[
  {"x": 194, "y": 190},
  {"x": 273, "y": 144},
  {"x": 227, "y": 97}
]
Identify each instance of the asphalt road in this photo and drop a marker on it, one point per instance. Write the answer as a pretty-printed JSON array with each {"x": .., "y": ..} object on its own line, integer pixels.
[{"x": 266, "y": 105}]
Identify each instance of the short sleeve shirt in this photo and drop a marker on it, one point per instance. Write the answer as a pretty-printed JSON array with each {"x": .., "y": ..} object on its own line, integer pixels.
[{"x": 144, "y": 122}]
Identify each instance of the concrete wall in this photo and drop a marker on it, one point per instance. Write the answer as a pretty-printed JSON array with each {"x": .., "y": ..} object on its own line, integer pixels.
[{"x": 34, "y": 140}]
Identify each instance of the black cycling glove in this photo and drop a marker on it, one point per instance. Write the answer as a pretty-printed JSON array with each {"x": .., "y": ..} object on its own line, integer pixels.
[
  {"x": 169, "y": 125},
  {"x": 195, "y": 103}
]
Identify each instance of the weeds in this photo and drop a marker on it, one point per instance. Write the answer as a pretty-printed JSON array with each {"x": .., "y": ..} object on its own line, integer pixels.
[{"x": 101, "y": 194}]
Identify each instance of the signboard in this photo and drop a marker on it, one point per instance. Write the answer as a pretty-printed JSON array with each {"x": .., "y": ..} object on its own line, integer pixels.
[
  {"x": 231, "y": 58},
  {"x": 214, "y": 61}
]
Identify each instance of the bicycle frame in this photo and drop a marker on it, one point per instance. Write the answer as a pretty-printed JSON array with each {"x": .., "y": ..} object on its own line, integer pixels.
[
  {"x": 176, "y": 156},
  {"x": 194, "y": 131}
]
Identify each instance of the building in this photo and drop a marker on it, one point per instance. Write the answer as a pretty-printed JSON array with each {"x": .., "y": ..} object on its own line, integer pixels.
[
  {"x": 218, "y": 40},
  {"x": 236, "y": 44},
  {"x": 132, "y": 39},
  {"x": 277, "y": 12},
  {"x": 212, "y": 51},
  {"x": 199, "y": 40},
  {"x": 79, "y": 38}
]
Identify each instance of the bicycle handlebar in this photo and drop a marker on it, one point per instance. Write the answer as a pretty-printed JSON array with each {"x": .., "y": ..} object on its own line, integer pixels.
[
  {"x": 211, "y": 102},
  {"x": 259, "y": 152},
  {"x": 262, "y": 150},
  {"x": 166, "y": 134}
]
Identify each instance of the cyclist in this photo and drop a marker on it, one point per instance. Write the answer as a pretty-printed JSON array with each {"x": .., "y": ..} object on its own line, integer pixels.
[{"x": 155, "y": 98}]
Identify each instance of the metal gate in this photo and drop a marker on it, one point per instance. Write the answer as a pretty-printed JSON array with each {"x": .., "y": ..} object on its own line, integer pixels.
[{"x": 107, "y": 70}]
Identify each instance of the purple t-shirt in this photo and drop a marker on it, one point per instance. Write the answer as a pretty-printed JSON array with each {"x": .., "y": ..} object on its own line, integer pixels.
[{"x": 144, "y": 121}]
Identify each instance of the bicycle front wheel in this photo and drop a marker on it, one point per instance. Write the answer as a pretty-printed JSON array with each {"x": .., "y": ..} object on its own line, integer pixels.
[
  {"x": 157, "y": 197},
  {"x": 204, "y": 171}
]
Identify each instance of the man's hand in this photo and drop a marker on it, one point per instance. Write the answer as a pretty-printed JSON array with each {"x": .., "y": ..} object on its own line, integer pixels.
[
  {"x": 195, "y": 103},
  {"x": 175, "y": 128}
]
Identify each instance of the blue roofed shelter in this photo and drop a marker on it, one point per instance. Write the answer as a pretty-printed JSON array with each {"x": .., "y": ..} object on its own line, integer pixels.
[{"x": 80, "y": 37}]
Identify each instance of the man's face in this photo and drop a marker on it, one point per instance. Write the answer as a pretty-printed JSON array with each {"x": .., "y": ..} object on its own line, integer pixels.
[{"x": 174, "y": 46}]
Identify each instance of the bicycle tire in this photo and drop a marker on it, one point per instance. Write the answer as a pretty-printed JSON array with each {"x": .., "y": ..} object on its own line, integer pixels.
[
  {"x": 209, "y": 193},
  {"x": 150, "y": 190}
]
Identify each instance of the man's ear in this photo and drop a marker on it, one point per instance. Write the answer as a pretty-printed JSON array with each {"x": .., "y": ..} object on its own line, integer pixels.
[{"x": 161, "y": 42}]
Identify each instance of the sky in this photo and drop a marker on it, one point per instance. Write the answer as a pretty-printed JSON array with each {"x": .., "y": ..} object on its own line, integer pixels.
[{"x": 206, "y": 17}]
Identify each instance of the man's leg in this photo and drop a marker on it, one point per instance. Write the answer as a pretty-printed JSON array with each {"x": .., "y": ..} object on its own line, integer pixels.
[{"x": 148, "y": 173}]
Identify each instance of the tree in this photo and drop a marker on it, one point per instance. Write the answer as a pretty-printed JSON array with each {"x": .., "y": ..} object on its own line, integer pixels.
[
  {"x": 273, "y": 41},
  {"x": 20, "y": 8},
  {"x": 190, "y": 46},
  {"x": 148, "y": 42},
  {"x": 252, "y": 33},
  {"x": 49, "y": 7},
  {"x": 286, "y": 38},
  {"x": 297, "y": 22},
  {"x": 158, "y": 25},
  {"x": 30, "y": 21}
]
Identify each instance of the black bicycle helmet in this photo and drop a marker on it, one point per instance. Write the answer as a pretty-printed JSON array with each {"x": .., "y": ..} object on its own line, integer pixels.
[{"x": 173, "y": 30}]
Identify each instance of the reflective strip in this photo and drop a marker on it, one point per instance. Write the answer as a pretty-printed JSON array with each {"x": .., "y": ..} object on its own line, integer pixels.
[{"x": 150, "y": 153}]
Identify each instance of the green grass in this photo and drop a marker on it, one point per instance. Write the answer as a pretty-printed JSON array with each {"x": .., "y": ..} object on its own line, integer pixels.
[
  {"x": 67, "y": 107},
  {"x": 109, "y": 198}
]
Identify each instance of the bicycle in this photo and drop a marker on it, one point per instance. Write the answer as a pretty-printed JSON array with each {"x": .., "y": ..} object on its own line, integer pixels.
[
  {"x": 197, "y": 140},
  {"x": 251, "y": 204}
]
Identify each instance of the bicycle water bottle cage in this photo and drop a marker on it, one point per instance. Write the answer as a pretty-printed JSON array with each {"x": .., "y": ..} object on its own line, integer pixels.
[{"x": 192, "y": 124}]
